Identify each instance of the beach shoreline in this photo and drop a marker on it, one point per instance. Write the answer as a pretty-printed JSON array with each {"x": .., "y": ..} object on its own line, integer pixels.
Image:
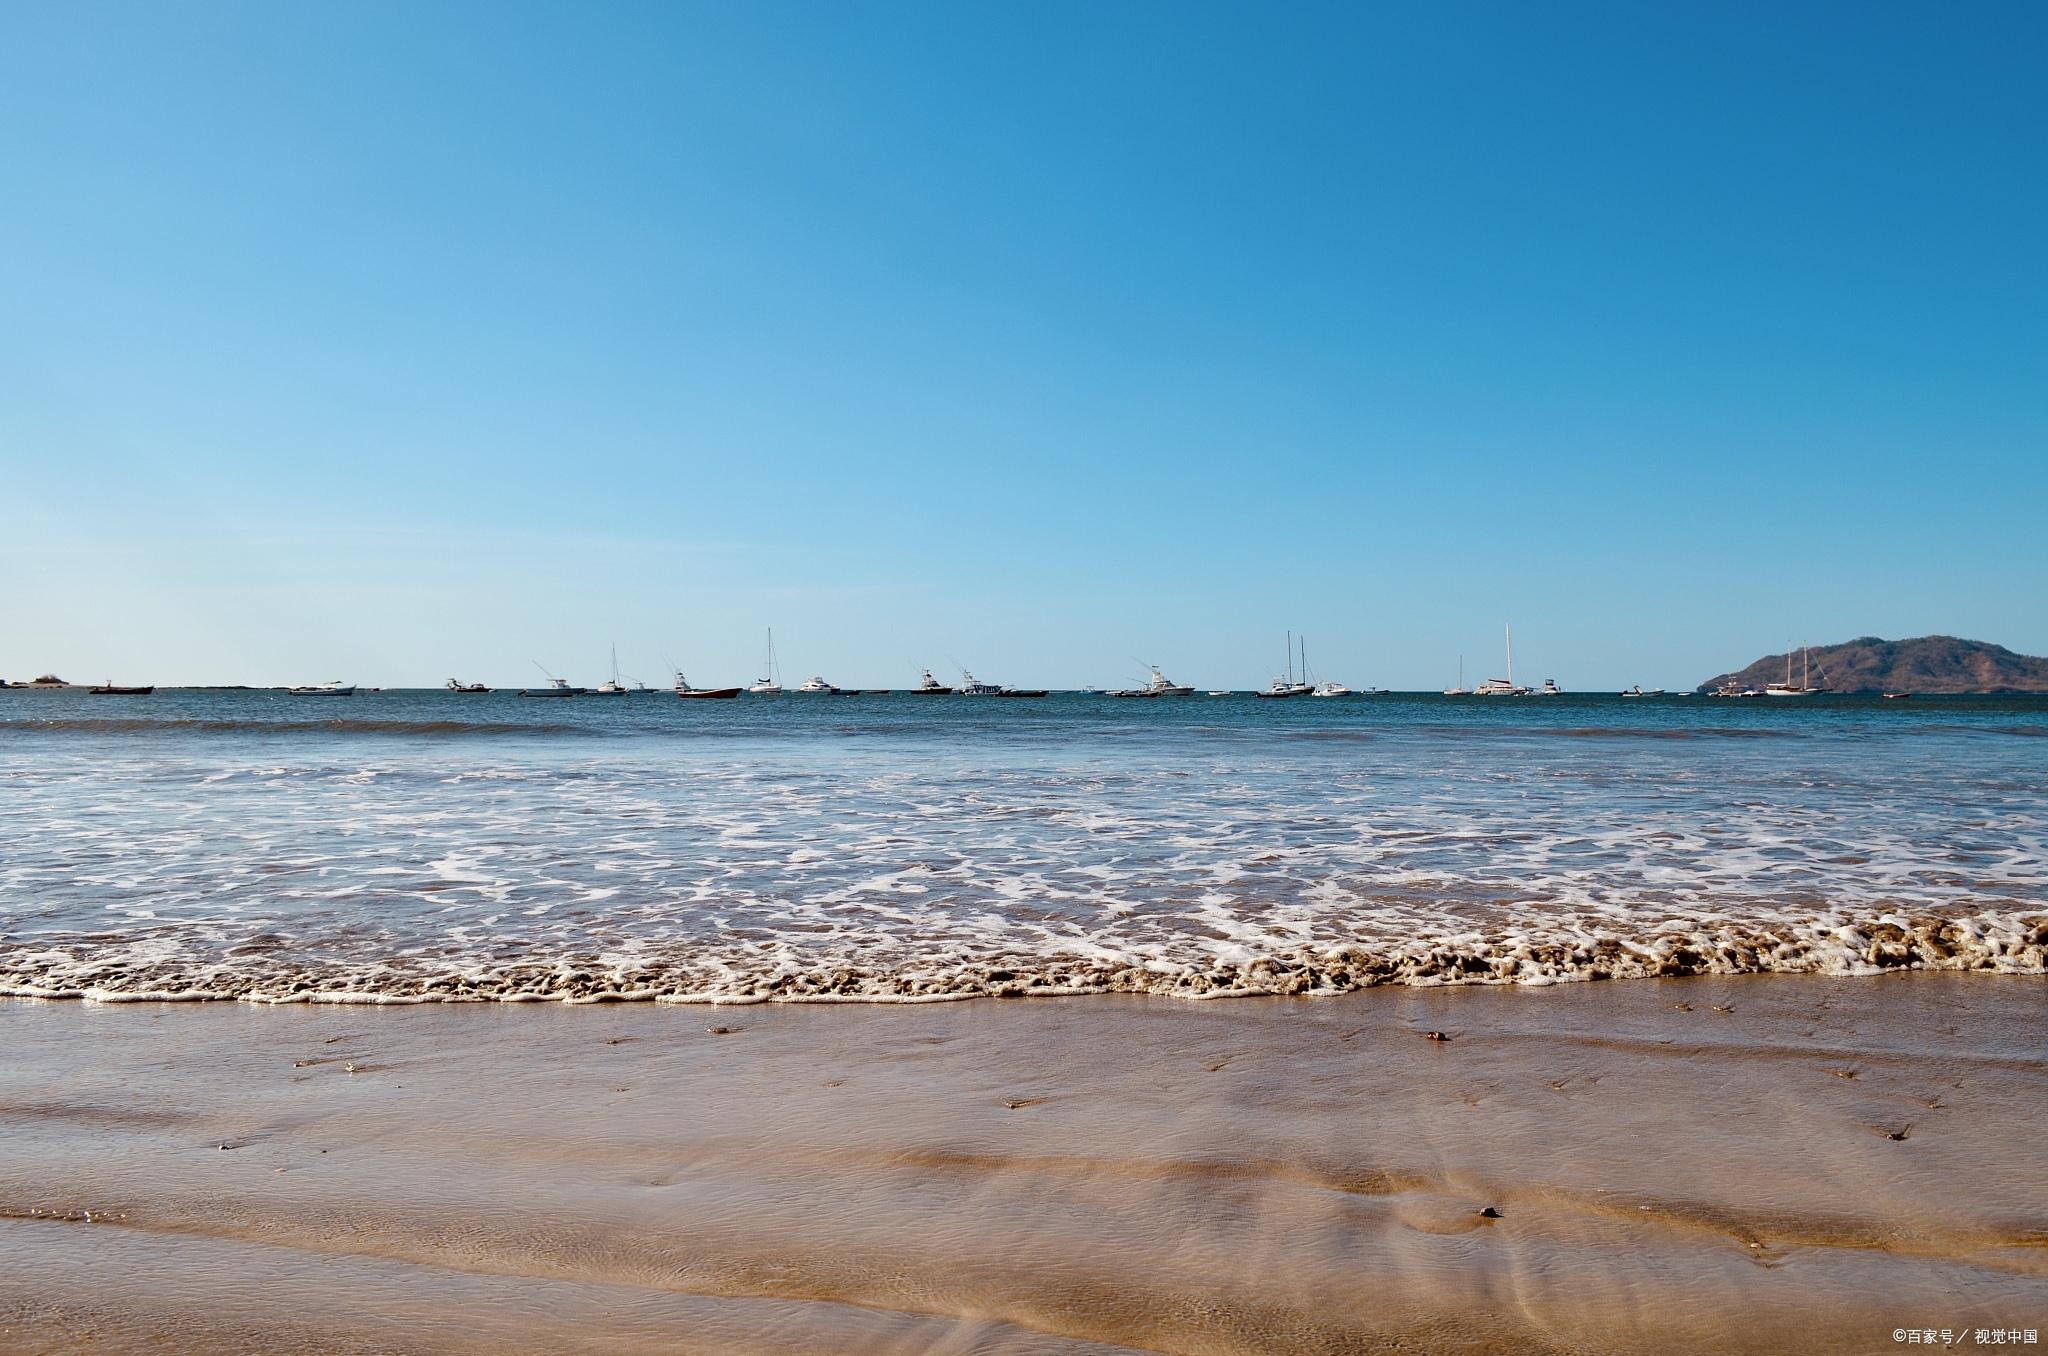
[{"x": 1687, "y": 1164}]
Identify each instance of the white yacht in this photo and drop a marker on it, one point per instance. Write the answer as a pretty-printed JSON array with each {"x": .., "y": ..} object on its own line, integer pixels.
[
  {"x": 1330, "y": 689},
  {"x": 771, "y": 684},
  {"x": 816, "y": 684},
  {"x": 612, "y": 687},
  {"x": 1550, "y": 689},
  {"x": 1788, "y": 688},
  {"x": 1503, "y": 687},
  {"x": 1221, "y": 692},
  {"x": 337, "y": 688}
]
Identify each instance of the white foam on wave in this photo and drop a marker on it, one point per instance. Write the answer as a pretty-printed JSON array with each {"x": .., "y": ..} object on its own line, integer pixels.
[{"x": 699, "y": 878}]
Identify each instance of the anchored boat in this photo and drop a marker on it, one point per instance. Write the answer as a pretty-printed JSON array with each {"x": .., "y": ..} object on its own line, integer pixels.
[{"x": 683, "y": 689}]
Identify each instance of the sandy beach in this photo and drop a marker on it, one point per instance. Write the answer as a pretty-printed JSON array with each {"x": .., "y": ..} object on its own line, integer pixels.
[{"x": 1740, "y": 1164}]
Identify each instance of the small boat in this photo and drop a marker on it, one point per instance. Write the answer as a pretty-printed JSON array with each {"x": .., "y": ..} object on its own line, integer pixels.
[
  {"x": 1637, "y": 691},
  {"x": 557, "y": 687},
  {"x": 337, "y": 688},
  {"x": 816, "y": 684},
  {"x": 1091, "y": 692},
  {"x": 1330, "y": 689},
  {"x": 1278, "y": 688},
  {"x": 1549, "y": 689},
  {"x": 1025, "y": 692},
  {"x": 111, "y": 689},
  {"x": 457, "y": 685},
  {"x": 771, "y": 685},
  {"x": 683, "y": 689},
  {"x": 1898, "y": 696},
  {"x": 1221, "y": 692},
  {"x": 928, "y": 686},
  {"x": 612, "y": 687},
  {"x": 1731, "y": 688}
]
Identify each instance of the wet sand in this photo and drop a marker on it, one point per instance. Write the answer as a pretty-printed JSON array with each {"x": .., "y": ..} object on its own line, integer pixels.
[{"x": 1820, "y": 1164}]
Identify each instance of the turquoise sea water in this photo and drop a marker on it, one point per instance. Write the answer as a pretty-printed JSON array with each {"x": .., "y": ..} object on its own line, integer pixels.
[{"x": 401, "y": 845}]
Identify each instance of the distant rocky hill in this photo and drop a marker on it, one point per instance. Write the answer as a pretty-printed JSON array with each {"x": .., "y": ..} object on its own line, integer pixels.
[{"x": 1929, "y": 664}]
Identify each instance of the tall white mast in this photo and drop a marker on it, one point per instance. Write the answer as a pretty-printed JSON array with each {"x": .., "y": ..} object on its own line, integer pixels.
[{"x": 1511, "y": 652}]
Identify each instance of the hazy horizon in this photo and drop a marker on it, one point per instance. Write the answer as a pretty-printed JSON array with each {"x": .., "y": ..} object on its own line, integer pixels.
[{"x": 394, "y": 345}]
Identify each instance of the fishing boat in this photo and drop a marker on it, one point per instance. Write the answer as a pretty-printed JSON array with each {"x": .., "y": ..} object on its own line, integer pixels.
[
  {"x": 928, "y": 686},
  {"x": 683, "y": 689},
  {"x": 816, "y": 684},
  {"x": 1163, "y": 686},
  {"x": 970, "y": 687},
  {"x": 337, "y": 688},
  {"x": 771, "y": 684},
  {"x": 1731, "y": 688},
  {"x": 1788, "y": 688},
  {"x": 557, "y": 687},
  {"x": 1503, "y": 687},
  {"x": 1549, "y": 689},
  {"x": 111, "y": 689},
  {"x": 457, "y": 685}
]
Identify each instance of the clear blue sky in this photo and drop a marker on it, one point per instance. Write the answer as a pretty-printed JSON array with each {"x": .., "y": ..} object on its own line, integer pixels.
[{"x": 390, "y": 342}]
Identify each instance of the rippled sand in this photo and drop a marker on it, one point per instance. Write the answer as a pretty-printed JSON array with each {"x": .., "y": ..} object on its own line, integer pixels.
[{"x": 1820, "y": 1163}]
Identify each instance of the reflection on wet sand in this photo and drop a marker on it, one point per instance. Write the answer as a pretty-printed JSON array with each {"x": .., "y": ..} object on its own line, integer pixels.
[{"x": 1675, "y": 1165}]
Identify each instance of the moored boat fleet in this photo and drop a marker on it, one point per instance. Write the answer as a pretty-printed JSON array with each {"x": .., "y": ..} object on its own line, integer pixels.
[{"x": 1297, "y": 680}]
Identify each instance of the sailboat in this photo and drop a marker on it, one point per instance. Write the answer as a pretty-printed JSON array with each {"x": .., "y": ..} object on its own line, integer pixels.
[
  {"x": 1286, "y": 686},
  {"x": 1459, "y": 690},
  {"x": 770, "y": 685},
  {"x": 612, "y": 687},
  {"x": 1786, "y": 688},
  {"x": 1503, "y": 687}
]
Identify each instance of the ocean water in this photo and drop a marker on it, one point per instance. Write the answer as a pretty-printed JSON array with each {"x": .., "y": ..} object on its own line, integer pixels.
[{"x": 404, "y": 846}]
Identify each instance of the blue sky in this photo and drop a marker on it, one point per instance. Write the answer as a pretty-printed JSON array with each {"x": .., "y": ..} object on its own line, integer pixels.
[{"x": 391, "y": 342}]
